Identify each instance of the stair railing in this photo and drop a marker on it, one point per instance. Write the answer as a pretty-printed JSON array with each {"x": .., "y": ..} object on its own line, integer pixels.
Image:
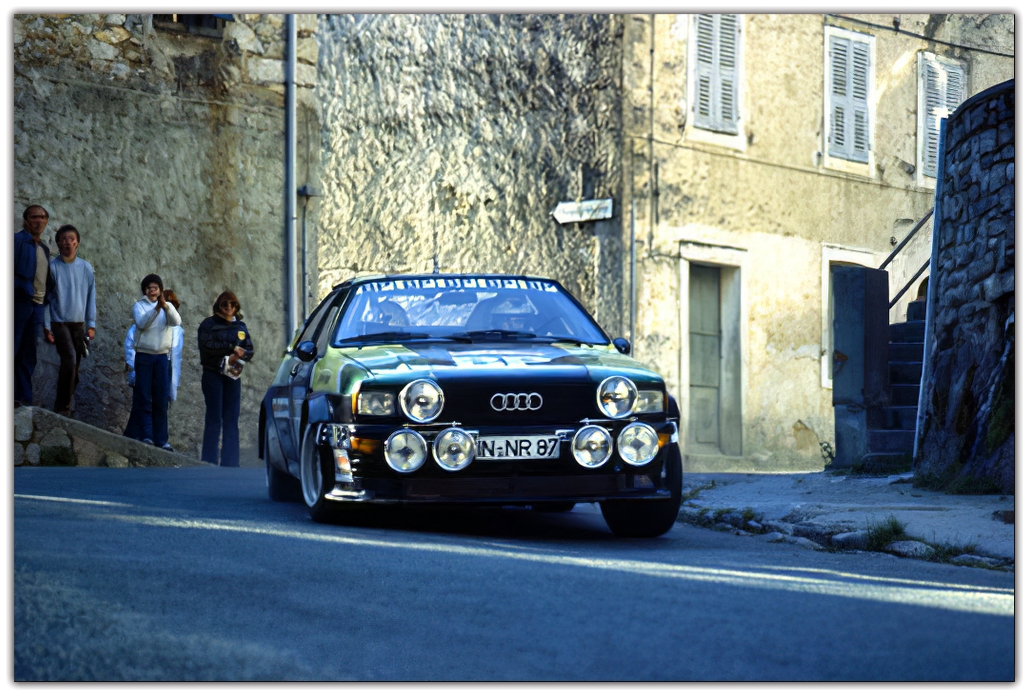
[{"x": 899, "y": 247}]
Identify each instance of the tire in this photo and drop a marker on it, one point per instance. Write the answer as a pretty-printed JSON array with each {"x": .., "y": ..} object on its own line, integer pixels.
[
  {"x": 316, "y": 479},
  {"x": 553, "y": 507},
  {"x": 282, "y": 487},
  {"x": 648, "y": 518}
]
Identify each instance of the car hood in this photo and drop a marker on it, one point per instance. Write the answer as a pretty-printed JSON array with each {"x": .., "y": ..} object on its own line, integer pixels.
[{"x": 483, "y": 360}]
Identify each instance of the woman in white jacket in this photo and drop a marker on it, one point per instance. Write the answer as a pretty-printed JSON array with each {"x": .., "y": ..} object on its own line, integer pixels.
[
  {"x": 154, "y": 319},
  {"x": 134, "y": 427}
]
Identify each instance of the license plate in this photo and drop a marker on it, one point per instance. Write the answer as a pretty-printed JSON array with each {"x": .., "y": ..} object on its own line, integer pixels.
[{"x": 524, "y": 447}]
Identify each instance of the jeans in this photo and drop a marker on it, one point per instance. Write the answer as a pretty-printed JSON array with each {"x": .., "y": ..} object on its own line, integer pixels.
[
  {"x": 150, "y": 397},
  {"x": 221, "y": 396},
  {"x": 28, "y": 320},
  {"x": 68, "y": 339}
]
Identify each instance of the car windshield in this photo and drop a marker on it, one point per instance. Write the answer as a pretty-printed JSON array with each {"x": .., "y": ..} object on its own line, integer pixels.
[{"x": 470, "y": 309}]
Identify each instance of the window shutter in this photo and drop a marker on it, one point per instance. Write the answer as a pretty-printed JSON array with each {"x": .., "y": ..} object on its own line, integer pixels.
[
  {"x": 704, "y": 70},
  {"x": 944, "y": 90},
  {"x": 715, "y": 99},
  {"x": 849, "y": 134}
]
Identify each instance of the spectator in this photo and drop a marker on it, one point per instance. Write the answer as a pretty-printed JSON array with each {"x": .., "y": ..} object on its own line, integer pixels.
[
  {"x": 224, "y": 345},
  {"x": 153, "y": 318},
  {"x": 133, "y": 429},
  {"x": 70, "y": 318},
  {"x": 33, "y": 290}
]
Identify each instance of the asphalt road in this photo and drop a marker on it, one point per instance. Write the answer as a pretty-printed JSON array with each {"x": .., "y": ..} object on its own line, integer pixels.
[{"x": 193, "y": 574}]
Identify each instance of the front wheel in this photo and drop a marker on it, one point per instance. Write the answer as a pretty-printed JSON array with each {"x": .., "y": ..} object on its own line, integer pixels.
[
  {"x": 316, "y": 478},
  {"x": 648, "y": 518}
]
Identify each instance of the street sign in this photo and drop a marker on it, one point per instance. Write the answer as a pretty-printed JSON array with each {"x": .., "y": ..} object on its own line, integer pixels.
[{"x": 583, "y": 211}]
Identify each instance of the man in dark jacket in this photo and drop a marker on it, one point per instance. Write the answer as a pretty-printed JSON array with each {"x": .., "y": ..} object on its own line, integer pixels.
[{"x": 33, "y": 290}]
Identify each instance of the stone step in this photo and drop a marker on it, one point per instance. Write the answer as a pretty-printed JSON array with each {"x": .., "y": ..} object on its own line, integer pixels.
[
  {"x": 916, "y": 310},
  {"x": 904, "y": 372},
  {"x": 903, "y": 417},
  {"x": 905, "y": 394},
  {"x": 890, "y": 441},
  {"x": 886, "y": 463},
  {"x": 906, "y": 352},
  {"x": 908, "y": 332}
]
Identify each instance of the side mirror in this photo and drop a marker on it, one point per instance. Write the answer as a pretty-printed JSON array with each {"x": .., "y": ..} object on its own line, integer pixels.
[
  {"x": 306, "y": 351},
  {"x": 622, "y": 345}
]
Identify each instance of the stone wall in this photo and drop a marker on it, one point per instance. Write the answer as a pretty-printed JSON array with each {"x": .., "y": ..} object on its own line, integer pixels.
[
  {"x": 966, "y": 434},
  {"x": 453, "y": 137},
  {"x": 43, "y": 438},
  {"x": 166, "y": 152}
]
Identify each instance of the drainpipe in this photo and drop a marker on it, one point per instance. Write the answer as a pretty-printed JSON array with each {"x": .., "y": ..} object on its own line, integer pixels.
[
  {"x": 307, "y": 192},
  {"x": 292, "y": 311},
  {"x": 631, "y": 277}
]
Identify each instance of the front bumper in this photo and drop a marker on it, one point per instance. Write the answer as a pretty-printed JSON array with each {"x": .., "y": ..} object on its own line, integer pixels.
[{"x": 362, "y": 475}]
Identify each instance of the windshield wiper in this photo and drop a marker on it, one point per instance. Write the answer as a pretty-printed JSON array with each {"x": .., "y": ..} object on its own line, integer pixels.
[
  {"x": 493, "y": 333},
  {"x": 386, "y": 335}
]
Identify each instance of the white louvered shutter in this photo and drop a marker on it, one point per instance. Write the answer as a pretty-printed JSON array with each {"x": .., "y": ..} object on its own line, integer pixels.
[
  {"x": 849, "y": 126},
  {"x": 715, "y": 97},
  {"x": 944, "y": 90}
]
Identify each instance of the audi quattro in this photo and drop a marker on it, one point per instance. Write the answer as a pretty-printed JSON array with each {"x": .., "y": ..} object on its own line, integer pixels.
[{"x": 481, "y": 389}]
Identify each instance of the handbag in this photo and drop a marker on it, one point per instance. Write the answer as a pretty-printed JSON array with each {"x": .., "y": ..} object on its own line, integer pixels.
[{"x": 233, "y": 371}]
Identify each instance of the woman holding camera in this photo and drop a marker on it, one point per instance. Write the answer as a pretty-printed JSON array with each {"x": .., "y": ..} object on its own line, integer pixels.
[{"x": 225, "y": 346}]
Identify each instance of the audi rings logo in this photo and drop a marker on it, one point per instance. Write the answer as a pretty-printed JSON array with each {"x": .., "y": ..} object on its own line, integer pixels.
[{"x": 516, "y": 401}]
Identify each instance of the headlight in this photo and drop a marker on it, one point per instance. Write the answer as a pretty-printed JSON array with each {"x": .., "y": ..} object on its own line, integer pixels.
[
  {"x": 421, "y": 400},
  {"x": 649, "y": 402},
  {"x": 405, "y": 451},
  {"x": 592, "y": 446},
  {"x": 638, "y": 444},
  {"x": 376, "y": 403},
  {"x": 453, "y": 449},
  {"x": 616, "y": 396}
]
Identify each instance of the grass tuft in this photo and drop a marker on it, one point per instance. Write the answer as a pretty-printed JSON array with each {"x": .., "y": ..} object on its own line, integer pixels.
[{"x": 882, "y": 533}]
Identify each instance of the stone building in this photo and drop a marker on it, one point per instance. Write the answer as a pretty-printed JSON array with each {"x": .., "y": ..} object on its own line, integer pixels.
[
  {"x": 447, "y": 141},
  {"x": 760, "y": 151}
]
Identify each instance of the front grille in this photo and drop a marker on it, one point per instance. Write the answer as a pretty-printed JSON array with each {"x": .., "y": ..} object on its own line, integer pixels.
[{"x": 473, "y": 404}]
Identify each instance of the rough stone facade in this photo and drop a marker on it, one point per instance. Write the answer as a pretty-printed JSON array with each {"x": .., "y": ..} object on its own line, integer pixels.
[
  {"x": 966, "y": 439},
  {"x": 166, "y": 151},
  {"x": 451, "y": 138}
]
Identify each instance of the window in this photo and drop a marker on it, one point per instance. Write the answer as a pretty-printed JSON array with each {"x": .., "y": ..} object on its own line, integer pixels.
[
  {"x": 849, "y": 95},
  {"x": 941, "y": 87},
  {"x": 716, "y": 72},
  {"x": 212, "y": 25}
]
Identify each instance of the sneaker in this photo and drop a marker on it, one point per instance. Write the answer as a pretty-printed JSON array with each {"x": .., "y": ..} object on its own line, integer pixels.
[
  {"x": 148, "y": 441},
  {"x": 167, "y": 447}
]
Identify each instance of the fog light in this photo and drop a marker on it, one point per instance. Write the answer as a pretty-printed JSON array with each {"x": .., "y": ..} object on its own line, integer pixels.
[
  {"x": 592, "y": 446},
  {"x": 638, "y": 444},
  {"x": 454, "y": 449},
  {"x": 405, "y": 451}
]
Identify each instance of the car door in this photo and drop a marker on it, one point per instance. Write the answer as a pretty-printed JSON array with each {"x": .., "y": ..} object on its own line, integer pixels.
[{"x": 292, "y": 390}]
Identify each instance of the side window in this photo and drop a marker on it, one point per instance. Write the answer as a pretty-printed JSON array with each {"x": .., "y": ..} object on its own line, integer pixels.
[
  {"x": 849, "y": 89},
  {"x": 716, "y": 72},
  {"x": 325, "y": 332},
  {"x": 311, "y": 327},
  {"x": 941, "y": 87}
]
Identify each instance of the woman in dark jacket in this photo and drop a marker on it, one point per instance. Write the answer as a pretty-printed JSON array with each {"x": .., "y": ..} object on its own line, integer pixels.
[{"x": 225, "y": 346}]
